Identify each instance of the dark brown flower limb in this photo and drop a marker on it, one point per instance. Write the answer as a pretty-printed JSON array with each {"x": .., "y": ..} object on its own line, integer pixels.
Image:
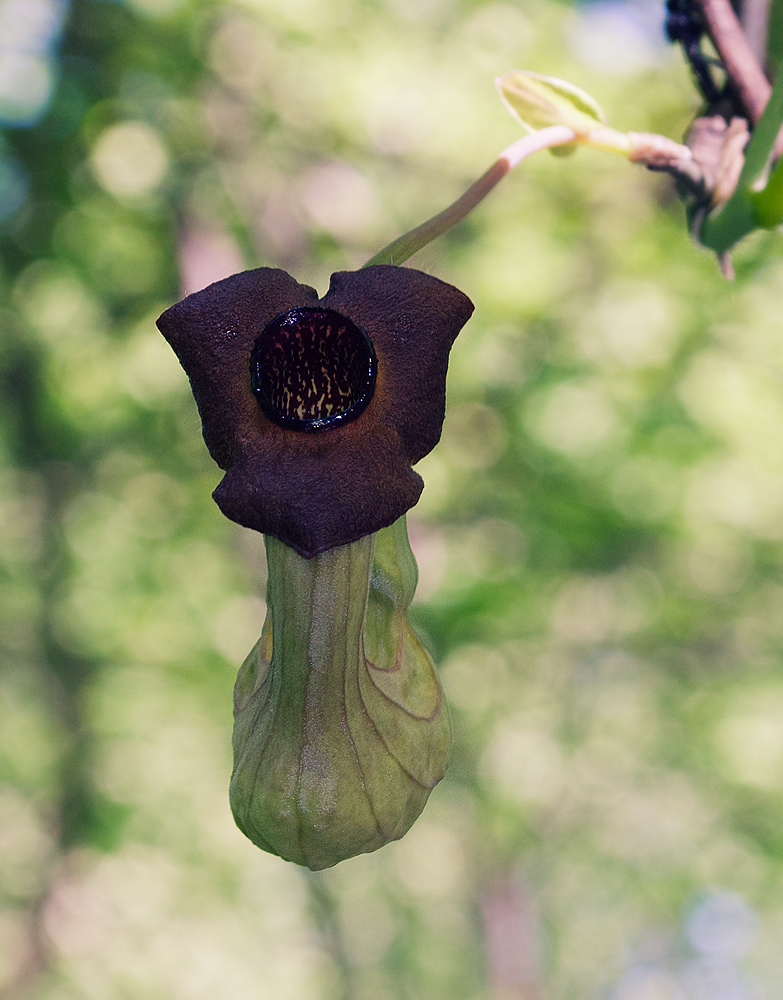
[{"x": 315, "y": 491}]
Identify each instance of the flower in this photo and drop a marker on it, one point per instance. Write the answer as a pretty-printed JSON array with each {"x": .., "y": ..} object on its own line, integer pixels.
[{"x": 317, "y": 408}]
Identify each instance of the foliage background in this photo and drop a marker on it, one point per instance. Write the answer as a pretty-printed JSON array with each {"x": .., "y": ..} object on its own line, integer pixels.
[{"x": 599, "y": 538}]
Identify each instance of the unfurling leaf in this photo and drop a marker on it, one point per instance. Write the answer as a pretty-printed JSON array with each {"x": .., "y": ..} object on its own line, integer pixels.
[
  {"x": 538, "y": 102},
  {"x": 341, "y": 730}
]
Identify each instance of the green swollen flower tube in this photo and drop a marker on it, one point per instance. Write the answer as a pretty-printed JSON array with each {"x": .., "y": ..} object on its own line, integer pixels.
[{"x": 341, "y": 727}]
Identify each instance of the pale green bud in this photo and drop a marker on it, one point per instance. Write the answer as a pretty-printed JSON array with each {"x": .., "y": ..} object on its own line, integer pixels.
[{"x": 538, "y": 102}]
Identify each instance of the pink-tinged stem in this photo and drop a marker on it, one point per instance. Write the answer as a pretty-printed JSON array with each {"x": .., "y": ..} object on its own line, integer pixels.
[
  {"x": 405, "y": 246},
  {"x": 738, "y": 57}
]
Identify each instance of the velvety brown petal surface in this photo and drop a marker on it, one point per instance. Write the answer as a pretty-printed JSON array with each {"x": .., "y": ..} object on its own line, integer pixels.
[
  {"x": 317, "y": 490},
  {"x": 314, "y": 495},
  {"x": 412, "y": 320},
  {"x": 212, "y": 333}
]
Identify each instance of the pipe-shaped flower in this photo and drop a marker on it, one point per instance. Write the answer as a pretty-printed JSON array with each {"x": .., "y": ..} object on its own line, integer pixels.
[{"x": 317, "y": 408}]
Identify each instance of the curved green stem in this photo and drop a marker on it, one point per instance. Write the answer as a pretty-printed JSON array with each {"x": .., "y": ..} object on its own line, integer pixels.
[{"x": 399, "y": 250}]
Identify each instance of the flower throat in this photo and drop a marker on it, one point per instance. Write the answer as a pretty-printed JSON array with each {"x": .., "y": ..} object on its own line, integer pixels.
[{"x": 312, "y": 369}]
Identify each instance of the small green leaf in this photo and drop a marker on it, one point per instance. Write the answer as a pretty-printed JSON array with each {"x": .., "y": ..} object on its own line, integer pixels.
[
  {"x": 768, "y": 204},
  {"x": 538, "y": 101}
]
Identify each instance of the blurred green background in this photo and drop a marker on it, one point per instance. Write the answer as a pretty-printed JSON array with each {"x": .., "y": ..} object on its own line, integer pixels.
[{"x": 599, "y": 540}]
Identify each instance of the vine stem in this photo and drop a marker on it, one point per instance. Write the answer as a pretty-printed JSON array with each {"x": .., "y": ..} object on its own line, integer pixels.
[
  {"x": 409, "y": 243},
  {"x": 740, "y": 61}
]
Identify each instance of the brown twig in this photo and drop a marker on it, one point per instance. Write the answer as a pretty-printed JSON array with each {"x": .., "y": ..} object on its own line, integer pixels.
[
  {"x": 659, "y": 152},
  {"x": 754, "y": 18},
  {"x": 742, "y": 66}
]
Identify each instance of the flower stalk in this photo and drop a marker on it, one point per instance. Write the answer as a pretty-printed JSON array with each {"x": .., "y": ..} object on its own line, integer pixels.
[{"x": 405, "y": 246}]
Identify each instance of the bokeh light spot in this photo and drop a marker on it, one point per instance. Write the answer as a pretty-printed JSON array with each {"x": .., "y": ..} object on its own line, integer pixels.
[
  {"x": 430, "y": 860},
  {"x": 749, "y": 739},
  {"x": 129, "y": 159},
  {"x": 633, "y": 324},
  {"x": 616, "y": 37},
  {"x": 474, "y": 436},
  {"x": 28, "y": 32},
  {"x": 341, "y": 200},
  {"x": 574, "y": 418},
  {"x": 723, "y": 926},
  {"x": 26, "y": 83}
]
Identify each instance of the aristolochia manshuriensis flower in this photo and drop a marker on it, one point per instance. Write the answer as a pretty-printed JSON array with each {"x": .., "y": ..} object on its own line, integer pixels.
[{"x": 316, "y": 409}]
